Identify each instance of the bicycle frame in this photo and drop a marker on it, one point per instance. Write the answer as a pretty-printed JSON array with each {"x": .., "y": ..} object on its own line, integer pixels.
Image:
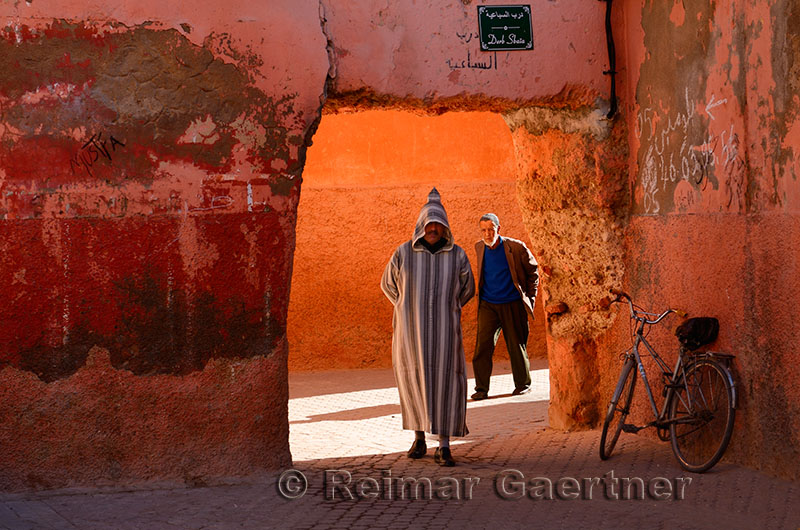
[
  {"x": 699, "y": 397},
  {"x": 673, "y": 377}
]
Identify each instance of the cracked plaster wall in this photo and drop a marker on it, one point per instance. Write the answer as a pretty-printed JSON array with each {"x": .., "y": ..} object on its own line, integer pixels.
[
  {"x": 571, "y": 185},
  {"x": 713, "y": 127},
  {"x": 150, "y": 162},
  {"x": 133, "y": 261}
]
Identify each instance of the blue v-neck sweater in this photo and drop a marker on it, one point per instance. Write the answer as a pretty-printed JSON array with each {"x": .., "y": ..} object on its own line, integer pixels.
[{"x": 497, "y": 288}]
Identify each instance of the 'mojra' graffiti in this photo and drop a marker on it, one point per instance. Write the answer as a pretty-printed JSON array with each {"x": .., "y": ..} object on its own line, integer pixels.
[
  {"x": 671, "y": 154},
  {"x": 92, "y": 150}
]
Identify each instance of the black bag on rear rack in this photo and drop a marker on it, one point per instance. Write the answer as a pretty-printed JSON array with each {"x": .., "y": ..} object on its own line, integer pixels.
[{"x": 697, "y": 332}]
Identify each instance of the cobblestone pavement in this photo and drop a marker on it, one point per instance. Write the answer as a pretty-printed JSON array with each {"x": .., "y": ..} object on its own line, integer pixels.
[{"x": 347, "y": 443}]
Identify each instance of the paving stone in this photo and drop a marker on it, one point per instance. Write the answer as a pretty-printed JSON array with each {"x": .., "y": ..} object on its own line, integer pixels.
[{"x": 339, "y": 422}]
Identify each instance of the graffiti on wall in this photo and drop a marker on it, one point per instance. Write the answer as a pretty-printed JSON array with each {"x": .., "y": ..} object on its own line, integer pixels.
[
  {"x": 681, "y": 147},
  {"x": 76, "y": 77},
  {"x": 90, "y": 152},
  {"x": 118, "y": 148}
]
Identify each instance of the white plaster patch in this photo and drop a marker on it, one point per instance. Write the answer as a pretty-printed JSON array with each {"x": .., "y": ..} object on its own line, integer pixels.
[
  {"x": 56, "y": 91},
  {"x": 251, "y": 259},
  {"x": 537, "y": 119},
  {"x": 200, "y": 132},
  {"x": 197, "y": 254}
]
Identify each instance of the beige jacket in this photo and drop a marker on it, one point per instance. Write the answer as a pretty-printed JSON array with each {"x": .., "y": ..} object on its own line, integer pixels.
[{"x": 523, "y": 269}]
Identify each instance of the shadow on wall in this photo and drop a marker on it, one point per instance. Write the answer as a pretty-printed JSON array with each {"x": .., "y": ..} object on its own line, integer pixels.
[{"x": 366, "y": 178}]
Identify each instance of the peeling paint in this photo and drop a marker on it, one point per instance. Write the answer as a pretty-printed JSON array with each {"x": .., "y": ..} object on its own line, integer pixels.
[
  {"x": 147, "y": 94},
  {"x": 151, "y": 294},
  {"x": 716, "y": 197},
  {"x": 143, "y": 251}
]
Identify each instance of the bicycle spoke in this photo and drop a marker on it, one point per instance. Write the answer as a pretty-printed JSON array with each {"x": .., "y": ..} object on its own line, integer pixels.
[
  {"x": 700, "y": 396},
  {"x": 714, "y": 388},
  {"x": 699, "y": 412},
  {"x": 688, "y": 433},
  {"x": 701, "y": 416}
]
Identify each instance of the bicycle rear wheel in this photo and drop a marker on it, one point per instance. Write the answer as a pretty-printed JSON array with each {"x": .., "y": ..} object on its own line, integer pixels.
[
  {"x": 618, "y": 409},
  {"x": 701, "y": 415}
]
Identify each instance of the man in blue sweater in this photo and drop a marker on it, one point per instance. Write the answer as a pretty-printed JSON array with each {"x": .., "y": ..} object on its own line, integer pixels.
[{"x": 507, "y": 285}]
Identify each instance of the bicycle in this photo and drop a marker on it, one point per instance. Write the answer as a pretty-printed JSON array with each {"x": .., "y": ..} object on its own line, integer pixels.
[{"x": 699, "y": 405}]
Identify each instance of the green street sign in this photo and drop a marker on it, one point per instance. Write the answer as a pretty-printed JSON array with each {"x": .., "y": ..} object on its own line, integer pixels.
[{"x": 504, "y": 28}]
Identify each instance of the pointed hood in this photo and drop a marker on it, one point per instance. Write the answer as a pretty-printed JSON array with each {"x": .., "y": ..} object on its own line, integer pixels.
[{"x": 432, "y": 212}]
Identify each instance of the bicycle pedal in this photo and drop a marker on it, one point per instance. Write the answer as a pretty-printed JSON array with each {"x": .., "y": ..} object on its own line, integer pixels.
[{"x": 633, "y": 429}]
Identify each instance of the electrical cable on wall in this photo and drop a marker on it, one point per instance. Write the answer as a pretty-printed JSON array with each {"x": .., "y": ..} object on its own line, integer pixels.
[{"x": 612, "y": 62}]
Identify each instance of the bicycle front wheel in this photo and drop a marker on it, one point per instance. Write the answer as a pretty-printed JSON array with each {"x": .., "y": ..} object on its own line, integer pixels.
[
  {"x": 618, "y": 409},
  {"x": 701, "y": 415}
]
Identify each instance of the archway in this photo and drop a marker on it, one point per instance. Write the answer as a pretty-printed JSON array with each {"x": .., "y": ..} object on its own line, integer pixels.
[{"x": 366, "y": 176}]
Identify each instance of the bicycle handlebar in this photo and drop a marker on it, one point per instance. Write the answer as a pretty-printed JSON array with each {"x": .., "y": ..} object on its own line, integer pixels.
[
  {"x": 641, "y": 315},
  {"x": 619, "y": 294}
]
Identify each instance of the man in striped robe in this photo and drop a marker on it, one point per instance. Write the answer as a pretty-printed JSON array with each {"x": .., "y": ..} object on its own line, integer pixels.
[{"x": 428, "y": 280}]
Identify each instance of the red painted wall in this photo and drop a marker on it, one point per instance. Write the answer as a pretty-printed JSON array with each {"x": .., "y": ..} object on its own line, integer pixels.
[
  {"x": 149, "y": 174},
  {"x": 712, "y": 108},
  {"x": 150, "y": 164}
]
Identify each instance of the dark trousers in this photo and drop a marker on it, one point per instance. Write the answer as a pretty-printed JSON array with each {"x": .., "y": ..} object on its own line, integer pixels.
[{"x": 512, "y": 319}]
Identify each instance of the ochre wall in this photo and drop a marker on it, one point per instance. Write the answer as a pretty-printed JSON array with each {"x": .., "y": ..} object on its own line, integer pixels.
[
  {"x": 366, "y": 177},
  {"x": 150, "y": 172},
  {"x": 572, "y": 191},
  {"x": 712, "y": 106},
  {"x": 147, "y": 272}
]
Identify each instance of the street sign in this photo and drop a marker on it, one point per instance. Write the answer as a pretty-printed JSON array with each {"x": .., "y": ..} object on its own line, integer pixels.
[{"x": 505, "y": 28}]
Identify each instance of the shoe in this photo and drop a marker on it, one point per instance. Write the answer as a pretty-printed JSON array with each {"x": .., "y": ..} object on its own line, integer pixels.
[
  {"x": 443, "y": 457},
  {"x": 418, "y": 449},
  {"x": 521, "y": 390},
  {"x": 479, "y": 395}
]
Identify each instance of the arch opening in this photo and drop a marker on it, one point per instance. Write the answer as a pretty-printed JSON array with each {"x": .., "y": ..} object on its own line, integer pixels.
[{"x": 367, "y": 174}]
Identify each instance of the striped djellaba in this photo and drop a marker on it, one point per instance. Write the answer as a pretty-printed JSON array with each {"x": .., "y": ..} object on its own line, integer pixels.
[{"x": 428, "y": 291}]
